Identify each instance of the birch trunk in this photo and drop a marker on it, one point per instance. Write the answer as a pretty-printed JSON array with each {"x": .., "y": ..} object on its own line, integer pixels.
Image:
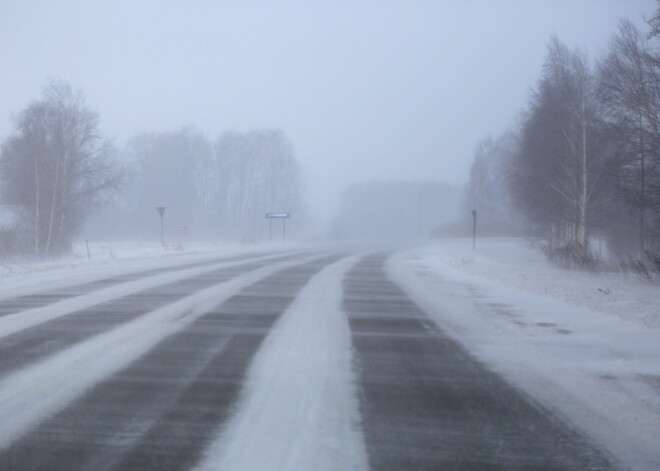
[
  {"x": 37, "y": 198},
  {"x": 582, "y": 201},
  {"x": 53, "y": 205}
]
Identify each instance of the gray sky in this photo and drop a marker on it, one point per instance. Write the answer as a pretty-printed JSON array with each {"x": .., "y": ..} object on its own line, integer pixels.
[{"x": 365, "y": 89}]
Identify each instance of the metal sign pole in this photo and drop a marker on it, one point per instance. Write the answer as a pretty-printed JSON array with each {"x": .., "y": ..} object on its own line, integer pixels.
[
  {"x": 474, "y": 229},
  {"x": 161, "y": 211},
  {"x": 419, "y": 216},
  {"x": 271, "y": 216}
]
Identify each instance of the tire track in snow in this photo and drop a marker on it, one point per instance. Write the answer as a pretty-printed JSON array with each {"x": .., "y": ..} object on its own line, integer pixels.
[
  {"x": 11, "y": 323},
  {"x": 32, "y": 340},
  {"x": 14, "y": 304},
  {"x": 299, "y": 410},
  {"x": 162, "y": 420}
]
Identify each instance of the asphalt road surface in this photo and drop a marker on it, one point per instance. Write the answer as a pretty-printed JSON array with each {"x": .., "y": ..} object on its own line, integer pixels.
[
  {"x": 427, "y": 404},
  {"x": 424, "y": 402}
]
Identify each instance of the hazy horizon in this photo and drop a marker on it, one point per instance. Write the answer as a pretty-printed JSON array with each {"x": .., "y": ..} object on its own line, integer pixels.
[{"x": 369, "y": 91}]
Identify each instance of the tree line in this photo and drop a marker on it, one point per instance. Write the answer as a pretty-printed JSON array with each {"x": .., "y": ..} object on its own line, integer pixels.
[
  {"x": 584, "y": 162},
  {"x": 58, "y": 168}
]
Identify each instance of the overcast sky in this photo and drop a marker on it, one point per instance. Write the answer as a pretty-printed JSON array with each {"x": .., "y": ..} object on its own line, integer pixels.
[{"x": 365, "y": 90}]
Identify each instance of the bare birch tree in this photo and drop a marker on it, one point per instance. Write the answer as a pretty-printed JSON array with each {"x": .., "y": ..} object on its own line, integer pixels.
[
  {"x": 559, "y": 164},
  {"x": 628, "y": 87},
  {"x": 57, "y": 165}
]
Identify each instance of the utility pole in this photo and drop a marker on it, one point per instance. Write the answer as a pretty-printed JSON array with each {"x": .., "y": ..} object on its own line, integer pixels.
[{"x": 161, "y": 212}]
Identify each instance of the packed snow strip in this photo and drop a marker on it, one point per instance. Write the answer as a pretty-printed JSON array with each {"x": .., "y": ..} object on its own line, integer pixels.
[
  {"x": 18, "y": 321},
  {"x": 39, "y": 391},
  {"x": 599, "y": 371},
  {"x": 299, "y": 410}
]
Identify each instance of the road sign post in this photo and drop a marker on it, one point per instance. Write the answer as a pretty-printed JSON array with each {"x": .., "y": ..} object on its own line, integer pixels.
[
  {"x": 419, "y": 216},
  {"x": 270, "y": 217},
  {"x": 474, "y": 229},
  {"x": 161, "y": 211}
]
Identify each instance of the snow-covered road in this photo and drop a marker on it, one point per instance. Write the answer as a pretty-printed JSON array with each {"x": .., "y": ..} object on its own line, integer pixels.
[{"x": 323, "y": 358}]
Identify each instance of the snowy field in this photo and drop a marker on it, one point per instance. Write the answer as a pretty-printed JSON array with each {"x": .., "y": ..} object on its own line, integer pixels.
[{"x": 586, "y": 345}]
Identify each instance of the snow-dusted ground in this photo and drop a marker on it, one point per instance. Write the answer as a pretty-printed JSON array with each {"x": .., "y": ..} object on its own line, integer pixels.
[{"x": 586, "y": 345}]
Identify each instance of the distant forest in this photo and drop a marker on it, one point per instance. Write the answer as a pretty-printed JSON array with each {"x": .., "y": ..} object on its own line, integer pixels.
[{"x": 58, "y": 171}]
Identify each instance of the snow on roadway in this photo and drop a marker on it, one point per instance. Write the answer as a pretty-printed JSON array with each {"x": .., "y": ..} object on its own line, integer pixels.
[
  {"x": 585, "y": 345},
  {"x": 35, "y": 276},
  {"x": 12, "y": 323},
  {"x": 299, "y": 411},
  {"x": 70, "y": 373}
]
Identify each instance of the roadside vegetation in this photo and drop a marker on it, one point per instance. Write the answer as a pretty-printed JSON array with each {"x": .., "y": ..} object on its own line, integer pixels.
[{"x": 582, "y": 167}]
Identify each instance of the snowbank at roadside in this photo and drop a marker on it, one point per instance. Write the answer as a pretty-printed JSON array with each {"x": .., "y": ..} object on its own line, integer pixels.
[
  {"x": 586, "y": 345},
  {"x": 516, "y": 263}
]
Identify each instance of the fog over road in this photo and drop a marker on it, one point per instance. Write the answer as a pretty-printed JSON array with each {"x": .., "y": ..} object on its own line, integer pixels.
[{"x": 159, "y": 368}]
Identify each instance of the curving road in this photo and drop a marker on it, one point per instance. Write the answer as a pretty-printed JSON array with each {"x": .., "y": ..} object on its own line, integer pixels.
[{"x": 147, "y": 370}]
